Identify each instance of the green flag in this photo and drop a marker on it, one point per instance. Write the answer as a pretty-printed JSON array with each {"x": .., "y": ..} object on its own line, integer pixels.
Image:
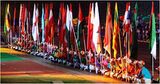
[
  {"x": 6, "y": 23},
  {"x": 134, "y": 46},
  {"x": 153, "y": 33}
]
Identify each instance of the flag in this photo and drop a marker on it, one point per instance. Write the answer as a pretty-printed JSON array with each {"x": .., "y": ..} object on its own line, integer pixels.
[
  {"x": 128, "y": 29},
  {"x": 69, "y": 18},
  {"x": 96, "y": 30},
  {"x": 80, "y": 18},
  {"x": 134, "y": 47},
  {"x": 68, "y": 27},
  {"x": 29, "y": 23},
  {"x": 115, "y": 31},
  {"x": 7, "y": 17},
  {"x": 51, "y": 25},
  {"x": 90, "y": 27},
  {"x": 107, "y": 37},
  {"x": 26, "y": 19},
  {"x": 42, "y": 23},
  {"x": 61, "y": 22},
  {"x": 14, "y": 22},
  {"x": 20, "y": 20},
  {"x": 46, "y": 24},
  {"x": 23, "y": 14},
  {"x": 153, "y": 33},
  {"x": 35, "y": 31},
  {"x": 70, "y": 30},
  {"x": 135, "y": 13},
  {"x": 126, "y": 21}
]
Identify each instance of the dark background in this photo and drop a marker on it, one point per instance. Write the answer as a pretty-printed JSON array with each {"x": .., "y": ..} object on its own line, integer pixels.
[{"x": 144, "y": 8}]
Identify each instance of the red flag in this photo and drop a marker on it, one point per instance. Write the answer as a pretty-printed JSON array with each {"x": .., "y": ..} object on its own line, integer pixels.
[
  {"x": 46, "y": 23},
  {"x": 80, "y": 15},
  {"x": 23, "y": 19},
  {"x": 51, "y": 24},
  {"x": 90, "y": 27},
  {"x": 35, "y": 30},
  {"x": 62, "y": 31},
  {"x": 72, "y": 33},
  {"x": 60, "y": 23},
  {"x": 79, "y": 37},
  {"x": 107, "y": 37}
]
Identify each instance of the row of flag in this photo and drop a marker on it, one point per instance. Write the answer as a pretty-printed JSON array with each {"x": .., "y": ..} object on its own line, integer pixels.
[{"x": 67, "y": 35}]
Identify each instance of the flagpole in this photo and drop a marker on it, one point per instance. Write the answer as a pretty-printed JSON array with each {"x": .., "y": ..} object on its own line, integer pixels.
[
  {"x": 84, "y": 40},
  {"x": 11, "y": 38},
  {"x": 120, "y": 45},
  {"x": 152, "y": 66},
  {"x": 76, "y": 45}
]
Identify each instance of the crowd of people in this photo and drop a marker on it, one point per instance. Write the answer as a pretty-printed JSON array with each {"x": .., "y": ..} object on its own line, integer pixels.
[{"x": 123, "y": 68}]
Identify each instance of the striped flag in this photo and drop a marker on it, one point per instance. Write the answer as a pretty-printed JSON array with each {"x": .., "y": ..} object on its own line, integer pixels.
[
  {"x": 35, "y": 31},
  {"x": 7, "y": 17},
  {"x": 70, "y": 29},
  {"x": 128, "y": 30},
  {"x": 153, "y": 33},
  {"x": 115, "y": 31},
  {"x": 96, "y": 30},
  {"x": 126, "y": 21}
]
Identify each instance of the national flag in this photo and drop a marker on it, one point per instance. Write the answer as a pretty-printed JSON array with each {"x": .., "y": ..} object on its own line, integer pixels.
[
  {"x": 70, "y": 30},
  {"x": 51, "y": 24},
  {"x": 135, "y": 13},
  {"x": 20, "y": 19},
  {"x": 46, "y": 23},
  {"x": 90, "y": 27},
  {"x": 80, "y": 18},
  {"x": 26, "y": 19},
  {"x": 128, "y": 29},
  {"x": 61, "y": 24},
  {"x": 42, "y": 24},
  {"x": 115, "y": 31},
  {"x": 153, "y": 33},
  {"x": 107, "y": 37},
  {"x": 126, "y": 21},
  {"x": 7, "y": 18},
  {"x": 23, "y": 14},
  {"x": 69, "y": 18},
  {"x": 14, "y": 22},
  {"x": 96, "y": 30},
  {"x": 134, "y": 46},
  {"x": 68, "y": 26},
  {"x": 35, "y": 31},
  {"x": 29, "y": 23}
]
